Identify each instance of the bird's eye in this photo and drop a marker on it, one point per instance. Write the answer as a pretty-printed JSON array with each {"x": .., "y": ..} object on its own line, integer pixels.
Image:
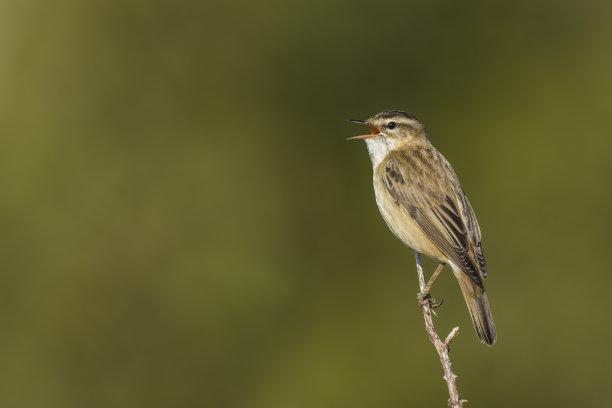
[{"x": 391, "y": 125}]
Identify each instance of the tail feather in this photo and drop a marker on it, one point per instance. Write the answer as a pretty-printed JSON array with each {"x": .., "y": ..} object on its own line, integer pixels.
[{"x": 478, "y": 305}]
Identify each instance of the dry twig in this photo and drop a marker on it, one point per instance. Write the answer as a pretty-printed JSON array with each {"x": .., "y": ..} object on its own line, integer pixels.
[{"x": 442, "y": 347}]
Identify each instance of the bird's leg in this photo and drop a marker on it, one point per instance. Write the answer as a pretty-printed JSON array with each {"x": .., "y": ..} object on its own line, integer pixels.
[{"x": 424, "y": 295}]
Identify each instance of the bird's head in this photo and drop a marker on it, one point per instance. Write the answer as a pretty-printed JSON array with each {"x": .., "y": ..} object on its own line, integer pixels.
[{"x": 390, "y": 131}]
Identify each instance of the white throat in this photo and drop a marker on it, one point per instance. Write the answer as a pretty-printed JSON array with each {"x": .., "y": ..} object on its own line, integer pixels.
[{"x": 379, "y": 147}]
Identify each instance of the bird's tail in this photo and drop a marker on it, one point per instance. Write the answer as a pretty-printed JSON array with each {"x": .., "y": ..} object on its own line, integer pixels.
[{"x": 478, "y": 305}]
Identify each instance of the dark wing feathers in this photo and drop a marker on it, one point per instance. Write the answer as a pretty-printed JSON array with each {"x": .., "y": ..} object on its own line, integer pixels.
[
  {"x": 482, "y": 264},
  {"x": 445, "y": 215},
  {"x": 474, "y": 231}
]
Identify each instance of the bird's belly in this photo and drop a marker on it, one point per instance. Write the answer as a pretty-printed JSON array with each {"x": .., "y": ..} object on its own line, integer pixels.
[{"x": 405, "y": 228}]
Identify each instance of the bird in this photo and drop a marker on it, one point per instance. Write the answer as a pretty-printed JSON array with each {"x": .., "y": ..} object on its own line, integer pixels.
[{"x": 420, "y": 198}]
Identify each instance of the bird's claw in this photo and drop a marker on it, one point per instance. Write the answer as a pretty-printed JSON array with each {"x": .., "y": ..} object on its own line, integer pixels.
[{"x": 423, "y": 297}]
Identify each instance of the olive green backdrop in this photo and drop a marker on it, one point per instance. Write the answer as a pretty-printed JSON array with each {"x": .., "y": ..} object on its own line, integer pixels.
[{"x": 182, "y": 223}]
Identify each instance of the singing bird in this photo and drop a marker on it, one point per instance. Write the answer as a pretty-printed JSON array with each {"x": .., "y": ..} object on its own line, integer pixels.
[{"x": 424, "y": 205}]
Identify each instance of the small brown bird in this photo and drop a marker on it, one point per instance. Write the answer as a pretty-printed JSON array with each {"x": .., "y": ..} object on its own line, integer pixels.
[{"x": 421, "y": 199}]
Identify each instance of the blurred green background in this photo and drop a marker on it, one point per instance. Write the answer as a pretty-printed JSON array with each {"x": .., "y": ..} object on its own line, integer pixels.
[{"x": 183, "y": 223}]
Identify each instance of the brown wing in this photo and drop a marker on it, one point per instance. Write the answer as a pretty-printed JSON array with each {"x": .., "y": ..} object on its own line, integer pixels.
[
  {"x": 473, "y": 232},
  {"x": 424, "y": 184}
]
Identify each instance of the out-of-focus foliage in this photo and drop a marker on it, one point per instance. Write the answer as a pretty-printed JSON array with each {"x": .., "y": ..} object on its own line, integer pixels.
[{"x": 183, "y": 224}]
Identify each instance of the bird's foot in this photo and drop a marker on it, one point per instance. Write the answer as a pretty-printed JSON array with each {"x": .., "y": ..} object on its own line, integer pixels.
[{"x": 426, "y": 298}]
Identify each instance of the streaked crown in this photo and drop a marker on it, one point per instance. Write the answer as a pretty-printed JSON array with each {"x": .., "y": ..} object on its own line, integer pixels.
[{"x": 397, "y": 124}]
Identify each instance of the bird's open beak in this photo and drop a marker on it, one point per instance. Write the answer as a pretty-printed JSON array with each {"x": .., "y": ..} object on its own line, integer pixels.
[{"x": 375, "y": 130}]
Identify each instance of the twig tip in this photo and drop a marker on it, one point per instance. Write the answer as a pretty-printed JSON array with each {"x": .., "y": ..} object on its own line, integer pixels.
[{"x": 451, "y": 336}]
